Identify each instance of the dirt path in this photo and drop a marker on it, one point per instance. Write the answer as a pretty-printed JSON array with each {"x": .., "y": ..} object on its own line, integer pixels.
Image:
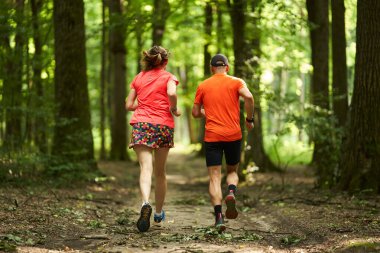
[{"x": 275, "y": 215}]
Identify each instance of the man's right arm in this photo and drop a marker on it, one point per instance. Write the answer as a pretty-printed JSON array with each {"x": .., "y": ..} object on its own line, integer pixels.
[{"x": 198, "y": 111}]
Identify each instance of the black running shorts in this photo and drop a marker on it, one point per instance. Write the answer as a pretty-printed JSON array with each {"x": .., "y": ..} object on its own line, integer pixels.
[{"x": 215, "y": 150}]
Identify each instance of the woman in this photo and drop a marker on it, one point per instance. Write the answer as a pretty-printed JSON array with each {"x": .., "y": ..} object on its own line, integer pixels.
[{"x": 152, "y": 127}]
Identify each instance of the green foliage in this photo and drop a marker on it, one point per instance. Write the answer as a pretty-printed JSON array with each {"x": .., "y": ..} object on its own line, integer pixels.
[
  {"x": 291, "y": 240},
  {"x": 321, "y": 126},
  {"x": 9, "y": 242}
]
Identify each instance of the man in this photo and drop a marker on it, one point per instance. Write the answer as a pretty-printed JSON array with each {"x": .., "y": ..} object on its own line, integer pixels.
[{"x": 217, "y": 99}]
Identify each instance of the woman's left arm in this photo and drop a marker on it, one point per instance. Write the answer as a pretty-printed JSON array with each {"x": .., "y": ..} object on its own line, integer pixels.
[{"x": 130, "y": 104}]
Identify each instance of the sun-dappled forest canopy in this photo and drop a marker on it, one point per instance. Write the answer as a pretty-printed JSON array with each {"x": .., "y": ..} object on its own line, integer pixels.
[{"x": 66, "y": 66}]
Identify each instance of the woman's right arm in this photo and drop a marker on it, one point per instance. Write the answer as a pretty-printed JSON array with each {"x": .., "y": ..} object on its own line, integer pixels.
[
  {"x": 130, "y": 104},
  {"x": 172, "y": 94}
]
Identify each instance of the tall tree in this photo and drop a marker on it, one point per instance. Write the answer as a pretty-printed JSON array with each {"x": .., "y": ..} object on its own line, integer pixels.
[
  {"x": 238, "y": 18},
  {"x": 219, "y": 27},
  {"x": 340, "y": 96},
  {"x": 319, "y": 38},
  {"x": 255, "y": 144},
  {"x": 72, "y": 130},
  {"x": 206, "y": 65},
  {"x": 38, "y": 94},
  {"x": 161, "y": 12},
  {"x": 103, "y": 80},
  {"x": 361, "y": 157},
  {"x": 12, "y": 80},
  {"x": 118, "y": 81}
]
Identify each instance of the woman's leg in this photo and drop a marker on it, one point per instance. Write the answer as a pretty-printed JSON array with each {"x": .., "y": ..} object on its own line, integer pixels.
[
  {"x": 160, "y": 156},
  {"x": 145, "y": 157}
]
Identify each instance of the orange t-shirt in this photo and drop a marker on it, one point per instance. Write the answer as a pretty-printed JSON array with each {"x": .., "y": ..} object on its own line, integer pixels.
[
  {"x": 153, "y": 101},
  {"x": 219, "y": 96}
]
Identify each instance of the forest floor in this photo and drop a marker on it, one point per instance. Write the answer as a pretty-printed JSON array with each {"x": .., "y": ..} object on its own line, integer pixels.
[{"x": 278, "y": 213}]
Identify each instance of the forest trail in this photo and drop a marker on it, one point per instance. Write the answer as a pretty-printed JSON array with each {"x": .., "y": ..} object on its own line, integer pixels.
[{"x": 277, "y": 213}]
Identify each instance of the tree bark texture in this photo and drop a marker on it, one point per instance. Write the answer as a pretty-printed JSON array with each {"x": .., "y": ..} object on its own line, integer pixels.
[
  {"x": 103, "y": 80},
  {"x": 38, "y": 95},
  {"x": 118, "y": 81},
  {"x": 361, "y": 157},
  {"x": 72, "y": 130},
  {"x": 206, "y": 68},
  {"x": 160, "y": 14},
  {"x": 340, "y": 96},
  {"x": 12, "y": 81},
  {"x": 319, "y": 35}
]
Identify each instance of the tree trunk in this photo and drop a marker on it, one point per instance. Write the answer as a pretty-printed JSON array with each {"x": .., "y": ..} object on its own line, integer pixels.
[
  {"x": 38, "y": 94},
  {"x": 161, "y": 12},
  {"x": 139, "y": 30},
  {"x": 103, "y": 84},
  {"x": 361, "y": 157},
  {"x": 12, "y": 83},
  {"x": 319, "y": 35},
  {"x": 254, "y": 151},
  {"x": 219, "y": 28},
  {"x": 118, "y": 82},
  {"x": 72, "y": 131},
  {"x": 340, "y": 96},
  {"x": 206, "y": 68},
  {"x": 237, "y": 13}
]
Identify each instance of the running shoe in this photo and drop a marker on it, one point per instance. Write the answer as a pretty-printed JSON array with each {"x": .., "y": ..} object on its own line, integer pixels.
[
  {"x": 219, "y": 222},
  {"x": 159, "y": 217},
  {"x": 231, "y": 212},
  {"x": 143, "y": 222}
]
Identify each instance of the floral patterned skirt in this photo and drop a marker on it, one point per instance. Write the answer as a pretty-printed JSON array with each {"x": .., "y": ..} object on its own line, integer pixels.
[{"x": 152, "y": 135}]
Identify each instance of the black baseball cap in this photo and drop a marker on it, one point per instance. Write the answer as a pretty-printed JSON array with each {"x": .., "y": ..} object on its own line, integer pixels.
[{"x": 219, "y": 60}]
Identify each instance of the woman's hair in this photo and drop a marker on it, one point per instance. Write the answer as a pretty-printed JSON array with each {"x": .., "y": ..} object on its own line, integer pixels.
[{"x": 154, "y": 57}]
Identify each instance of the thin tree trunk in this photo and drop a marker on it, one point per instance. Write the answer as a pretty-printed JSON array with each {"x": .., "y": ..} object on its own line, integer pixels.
[
  {"x": 139, "y": 28},
  {"x": 38, "y": 94},
  {"x": 72, "y": 130},
  {"x": 219, "y": 28},
  {"x": 361, "y": 157},
  {"x": 6, "y": 71},
  {"x": 340, "y": 101},
  {"x": 103, "y": 84},
  {"x": 12, "y": 83},
  {"x": 206, "y": 68},
  {"x": 118, "y": 82},
  {"x": 319, "y": 35},
  {"x": 184, "y": 84},
  {"x": 161, "y": 12}
]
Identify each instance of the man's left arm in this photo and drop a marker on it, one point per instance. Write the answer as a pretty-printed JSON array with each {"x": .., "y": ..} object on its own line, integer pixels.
[{"x": 249, "y": 104}]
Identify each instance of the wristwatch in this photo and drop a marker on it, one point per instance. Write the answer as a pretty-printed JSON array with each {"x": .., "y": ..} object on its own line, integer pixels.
[
  {"x": 173, "y": 109},
  {"x": 250, "y": 120}
]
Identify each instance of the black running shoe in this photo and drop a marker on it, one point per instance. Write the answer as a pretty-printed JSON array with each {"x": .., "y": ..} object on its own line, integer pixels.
[
  {"x": 143, "y": 222},
  {"x": 231, "y": 212},
  {"x": 219, "y": 223}
]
